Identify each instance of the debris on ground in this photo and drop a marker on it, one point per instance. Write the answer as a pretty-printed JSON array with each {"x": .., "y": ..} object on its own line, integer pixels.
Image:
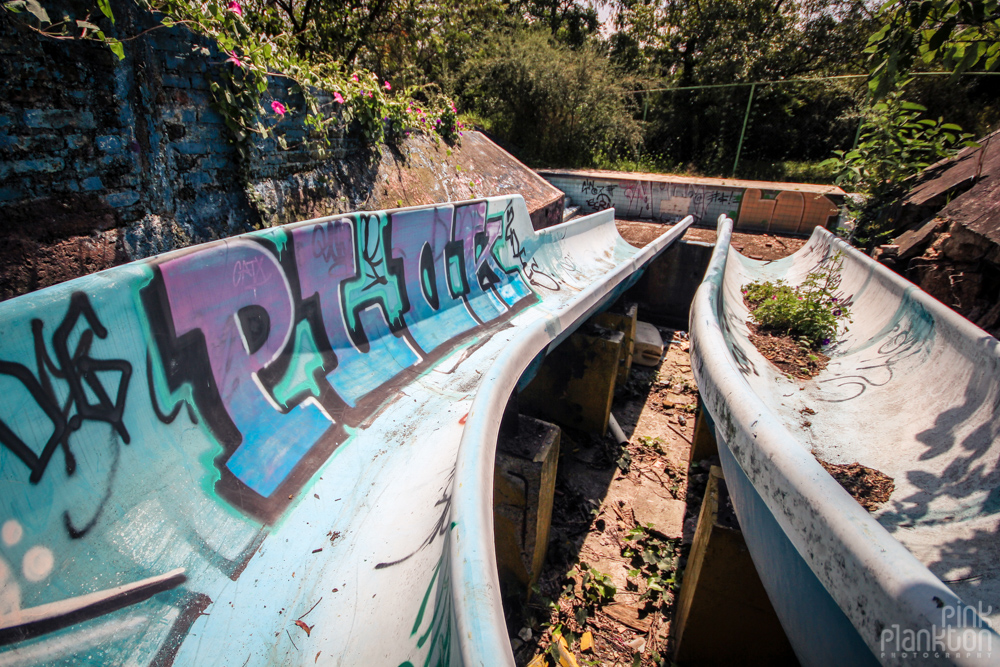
[
  {"x": 766, "y": 247},
  {"x": 870, "y": 487},
  {"x": 786, "y": 353},
  {"x": 622, "y": 524}
]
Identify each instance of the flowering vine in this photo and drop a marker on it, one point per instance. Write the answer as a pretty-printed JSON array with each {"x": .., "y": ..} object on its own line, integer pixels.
[{"x": 255, "y": 67}]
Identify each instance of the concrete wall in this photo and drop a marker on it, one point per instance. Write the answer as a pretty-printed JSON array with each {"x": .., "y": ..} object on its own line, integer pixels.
[
  {"x": 103, "y": 162},
  {"x": 781, "y": 208},
  {"x": 667, "y": 288}
]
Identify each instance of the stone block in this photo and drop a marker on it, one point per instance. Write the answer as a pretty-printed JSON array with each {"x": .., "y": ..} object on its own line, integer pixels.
[
  {"x": 575, "y": 383},
  {"x": 176, "y": 81},
  {"x": 723, "y": 613},
  {"x": 191, "y": 147},
  {"x": 624, "y": 320},
  {"x": 110, "y": 143},
  {"x": 55, "y": 119},
  {"x": 92, "y": 183},
  {"x": 40, "y": 166},
  {"x": 122, "y": 199},
  {"x": 523, "y": 491},
  {"x": 77, "y": 141}
]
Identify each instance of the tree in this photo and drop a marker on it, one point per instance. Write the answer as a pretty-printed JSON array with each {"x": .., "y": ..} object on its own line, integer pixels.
[
  {"x": 556, "y": 104},
  {"x": 962, "y": 35}
]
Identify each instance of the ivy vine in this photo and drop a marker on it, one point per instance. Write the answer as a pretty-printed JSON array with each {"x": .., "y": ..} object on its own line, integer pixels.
[{"x": 255, "y": 66}]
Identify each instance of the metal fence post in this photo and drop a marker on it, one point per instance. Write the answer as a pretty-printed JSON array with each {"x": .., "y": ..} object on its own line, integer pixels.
[{"x": 746, "y": 117}]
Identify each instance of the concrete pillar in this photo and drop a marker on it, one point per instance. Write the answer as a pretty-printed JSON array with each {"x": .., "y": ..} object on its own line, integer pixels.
[
  {"x": 575, "y": 384},
  {"x": 703, "y": 445},
  {"x": 724, "y": 616},
  {"x": 625, "y": 322},
  {"x": 524, "y": 484}
]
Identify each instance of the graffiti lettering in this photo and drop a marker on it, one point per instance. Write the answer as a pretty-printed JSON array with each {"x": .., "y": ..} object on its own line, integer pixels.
[
  {"x": 532, "y": 273},
  {"x": 78, "y": 370},
  {"x": 249, "y": 272},
  {"x": 276, "y": 346}
]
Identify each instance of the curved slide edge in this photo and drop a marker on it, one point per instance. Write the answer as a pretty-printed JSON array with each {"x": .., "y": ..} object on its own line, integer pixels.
[
  {"x": 477, "y": 589},
  {"x": 881, "y": 588},
  {"x": 278, "y": 448}
]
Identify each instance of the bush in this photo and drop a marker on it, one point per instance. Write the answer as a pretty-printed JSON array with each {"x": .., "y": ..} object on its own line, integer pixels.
[
  {"x": 810, "y": 312},
  {"x": 555, "y": 105}
]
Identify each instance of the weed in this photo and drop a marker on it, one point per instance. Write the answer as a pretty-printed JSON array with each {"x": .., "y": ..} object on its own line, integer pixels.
[
  {"x": 653, "y": 443},
  {"x": 654, "y": 561},
  {"x": 597, "y": 587},
  {"x": 810, "y": 312}
]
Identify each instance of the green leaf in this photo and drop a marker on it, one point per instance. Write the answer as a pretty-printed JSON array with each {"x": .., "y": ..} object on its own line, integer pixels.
[
  {"x": 116, "y": 48},
  {"x": 105, "y": 7}
]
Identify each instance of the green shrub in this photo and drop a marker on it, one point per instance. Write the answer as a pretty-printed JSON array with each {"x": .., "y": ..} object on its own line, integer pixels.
[
  {"x": 810, "y": 312},
  {"x": 554, "y": 105}
]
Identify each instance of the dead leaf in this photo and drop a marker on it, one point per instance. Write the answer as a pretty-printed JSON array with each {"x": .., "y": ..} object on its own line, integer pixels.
[{"x": 307, "y": 628}]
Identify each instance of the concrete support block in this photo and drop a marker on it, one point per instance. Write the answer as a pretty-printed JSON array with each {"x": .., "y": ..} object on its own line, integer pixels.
[
  {"x": 575, "y": 384},
  {"x": 524, "y": 485},
  {"x": 723, "y": 613},
  {"x": 703, "y": 444},
  {"x": 626, "y": 322},
  {"x": 665, "y": 291}
]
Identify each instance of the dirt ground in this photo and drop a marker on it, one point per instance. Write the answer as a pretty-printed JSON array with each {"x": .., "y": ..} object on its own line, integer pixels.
[
  {"x": 622, "y": 523},
  {"x": 624, "y": 517},
  {"x": 755, "y": 246}
]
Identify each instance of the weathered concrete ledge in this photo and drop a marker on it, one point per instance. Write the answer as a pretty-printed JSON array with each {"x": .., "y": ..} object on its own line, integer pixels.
[{"x": 779, "y": 208}]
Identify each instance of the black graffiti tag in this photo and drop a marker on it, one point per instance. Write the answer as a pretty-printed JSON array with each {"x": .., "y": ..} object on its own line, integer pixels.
[
  {"x": 532, "y": 273},
  {"x": 77, "y": 369}
]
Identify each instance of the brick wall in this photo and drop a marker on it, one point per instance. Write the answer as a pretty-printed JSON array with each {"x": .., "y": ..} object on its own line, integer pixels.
[{"x": 103, "y": 161}]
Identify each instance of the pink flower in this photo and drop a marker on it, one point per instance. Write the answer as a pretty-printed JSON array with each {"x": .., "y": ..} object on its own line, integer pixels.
[
  {"x": 354, "y": 78},
  {"x": 235, "y": 8},
  {"x": 368, "y": 93},
  {"x": 387, "y": 86},
  {"x": 339, "y": 98},
  {"x": 453, "y": 109},
  {"x": 278, "y": 108},
  {"x": 234, "y": 59}
]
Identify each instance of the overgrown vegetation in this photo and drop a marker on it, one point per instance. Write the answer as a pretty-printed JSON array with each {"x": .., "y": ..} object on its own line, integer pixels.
[
  {"x": 556, "y": 104},
  {"x": 654, "y": 564},
  {"x": 659, "y": 85},
  {"x": 896, "y": 142},
  {"x": 811, "y": 312}
]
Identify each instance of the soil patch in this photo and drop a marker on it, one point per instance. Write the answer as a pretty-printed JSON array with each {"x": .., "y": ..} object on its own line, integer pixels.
[
  {"x": 868, "y": 486},
  {"x": 784, "y": 352},
  {"x": 754, "y": 246}
]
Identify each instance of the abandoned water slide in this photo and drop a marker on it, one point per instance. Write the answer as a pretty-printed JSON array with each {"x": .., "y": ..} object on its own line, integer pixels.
[
  {"x": 278, "y": 448},
  {"x": 911, "y": 390}
]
